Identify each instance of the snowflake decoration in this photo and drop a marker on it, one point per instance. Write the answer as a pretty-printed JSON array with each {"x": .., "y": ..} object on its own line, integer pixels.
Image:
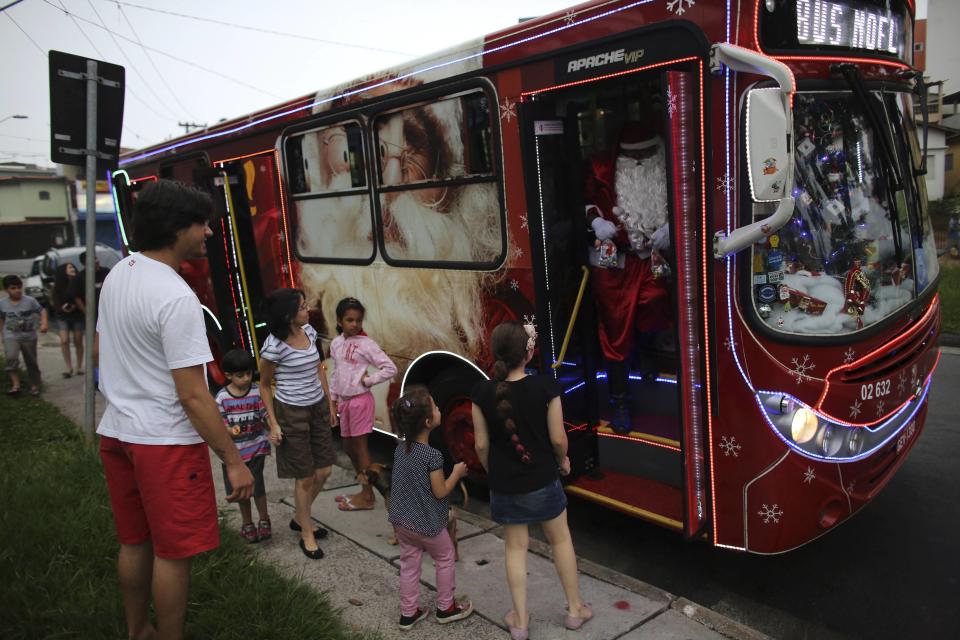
[
  {"x": 902, "y": 382},
  {"x": 530, "y": 320},
  {"x": 725, "y": 183},
  {"x": 850, "y": 486},
  {"x": 770, "y": 514},
  {"x": 879, "y": 408},
  {"x": 517, "y": 252},
  {"x": 524, "y": 223},
  {"x": 671, "y": 102},
  {"x": 914, "y": 378},
  {"x": 849, "y": 355},
  {"x": 679, "y": 6},
  {"x": 514, "y": 285},
  {"x": 801, "y": 367},
  {"x": 730, "y": 446},
  {"x": 855, "y": 409},
  {"x": 808, "y": 475},
  {"x": 569, "y": 17},
  {"x": 508, "y": 110},
  {"x": 729, "y": 343}
]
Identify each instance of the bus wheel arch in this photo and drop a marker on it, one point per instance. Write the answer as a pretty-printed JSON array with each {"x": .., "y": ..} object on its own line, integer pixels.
[{"x": 450, "y": 377}]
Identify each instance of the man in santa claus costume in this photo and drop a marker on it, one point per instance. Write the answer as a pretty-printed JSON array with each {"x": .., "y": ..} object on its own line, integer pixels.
[{"x": 626, "y": 196}]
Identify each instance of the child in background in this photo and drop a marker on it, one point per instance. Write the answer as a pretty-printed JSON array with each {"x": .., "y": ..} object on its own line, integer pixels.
[
  {"x": 419, "y": 509},
  {"x": 20, "y": 317},
  {"x": 353, "y": 352},
  {"x": 245, "y": 417}
]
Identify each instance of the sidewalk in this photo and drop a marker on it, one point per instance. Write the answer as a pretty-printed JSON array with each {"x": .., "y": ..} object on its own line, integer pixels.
[{"x": 360, "y": 570}]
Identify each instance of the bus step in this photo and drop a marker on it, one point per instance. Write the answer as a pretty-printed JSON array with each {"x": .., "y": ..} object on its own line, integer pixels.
[
  {"x": 647, "y": 499},
  {"x": 640, "y": 454}
]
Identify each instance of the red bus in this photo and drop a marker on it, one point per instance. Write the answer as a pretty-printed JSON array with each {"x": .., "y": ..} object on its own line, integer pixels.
[{"x": 796, "y": 263}]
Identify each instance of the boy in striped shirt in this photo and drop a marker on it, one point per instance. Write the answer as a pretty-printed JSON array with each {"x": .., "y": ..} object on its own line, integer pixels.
[{"x": 245, "y": 417}]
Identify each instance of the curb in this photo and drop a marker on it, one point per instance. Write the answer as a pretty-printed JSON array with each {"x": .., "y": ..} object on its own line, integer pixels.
[{"x": 950, "y": 340}]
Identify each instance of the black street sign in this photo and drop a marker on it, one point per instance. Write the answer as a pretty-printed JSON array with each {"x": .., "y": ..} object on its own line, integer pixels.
[{"x": 68, "y": 110}]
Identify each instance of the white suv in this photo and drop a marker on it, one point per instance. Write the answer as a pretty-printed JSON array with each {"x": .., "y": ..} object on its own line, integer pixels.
[{"x": 43, "y": 268}]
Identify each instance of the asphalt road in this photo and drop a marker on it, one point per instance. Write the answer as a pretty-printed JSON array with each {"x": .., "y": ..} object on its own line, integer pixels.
[{"x": 892, "y": 571}]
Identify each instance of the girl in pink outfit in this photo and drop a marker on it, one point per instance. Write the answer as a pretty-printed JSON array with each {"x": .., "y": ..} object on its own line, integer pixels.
[{"x": 353, "y": 353}]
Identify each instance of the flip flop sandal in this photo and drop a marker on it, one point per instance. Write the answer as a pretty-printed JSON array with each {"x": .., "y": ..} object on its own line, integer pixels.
[
  {"x": 346, "y": 505},
  {"x": 340, "y": 498},
  {"x": 13, "y": 392}
]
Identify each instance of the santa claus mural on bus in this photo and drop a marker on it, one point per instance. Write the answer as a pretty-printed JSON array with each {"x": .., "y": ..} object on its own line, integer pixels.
[{"x": 416, "y": 307}]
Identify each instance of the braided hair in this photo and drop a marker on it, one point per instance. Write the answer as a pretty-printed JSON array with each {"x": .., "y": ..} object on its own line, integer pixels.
[
  {"x": 509, "y": 342},
  {"x": 410, "y": 413}
]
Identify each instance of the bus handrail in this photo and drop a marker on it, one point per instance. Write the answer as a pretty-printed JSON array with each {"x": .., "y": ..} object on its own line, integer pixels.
[{"x": 573, "y": 318}]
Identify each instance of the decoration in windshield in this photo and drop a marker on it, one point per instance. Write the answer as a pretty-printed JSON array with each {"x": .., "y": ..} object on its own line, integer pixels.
[{"x": 844, "y": 261}]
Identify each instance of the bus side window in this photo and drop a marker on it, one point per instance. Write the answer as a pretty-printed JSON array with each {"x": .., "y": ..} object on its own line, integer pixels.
[
  {"x": 438, "y": 188},
  {"x": 326, "y": 175}
]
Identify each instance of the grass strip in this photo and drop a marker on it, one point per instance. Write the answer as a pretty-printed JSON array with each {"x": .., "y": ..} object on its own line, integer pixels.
[
  {"x": 950, "y": 296},
  {"x": 58, "y": 552}
]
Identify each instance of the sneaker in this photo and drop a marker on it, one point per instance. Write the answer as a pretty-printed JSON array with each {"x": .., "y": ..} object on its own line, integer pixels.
[
  {"x": 249, "y": 532},
  {"x": 263, "y": 530},
  {"x": 407, "y": 622},
  {"x": 457, "y": 611}
]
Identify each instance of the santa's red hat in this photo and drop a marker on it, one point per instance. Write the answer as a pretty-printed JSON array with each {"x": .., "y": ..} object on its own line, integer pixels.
[{"x": 637, "y": 136}]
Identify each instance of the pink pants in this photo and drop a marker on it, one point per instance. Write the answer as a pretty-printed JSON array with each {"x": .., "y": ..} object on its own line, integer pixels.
[{"x": 412, "y": 546}]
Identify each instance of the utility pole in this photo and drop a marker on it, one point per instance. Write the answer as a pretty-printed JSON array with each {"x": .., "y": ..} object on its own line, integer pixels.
[{"x": 187, "y": 126}]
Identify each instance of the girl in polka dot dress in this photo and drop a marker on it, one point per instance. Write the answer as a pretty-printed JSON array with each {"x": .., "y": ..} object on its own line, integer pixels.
[{"x": 419, "y": 509}]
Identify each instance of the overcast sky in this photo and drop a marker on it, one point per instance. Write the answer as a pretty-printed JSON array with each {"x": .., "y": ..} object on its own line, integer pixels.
[{"x": 223, "y": 71}]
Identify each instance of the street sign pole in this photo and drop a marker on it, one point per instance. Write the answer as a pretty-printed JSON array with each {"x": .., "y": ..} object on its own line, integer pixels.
[{"x": 90, "y": 268}]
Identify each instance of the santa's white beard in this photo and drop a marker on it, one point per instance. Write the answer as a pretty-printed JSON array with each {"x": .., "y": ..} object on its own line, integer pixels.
[
  {"x": 410, "y": 310},
  {"x": 642, "y": 194}
]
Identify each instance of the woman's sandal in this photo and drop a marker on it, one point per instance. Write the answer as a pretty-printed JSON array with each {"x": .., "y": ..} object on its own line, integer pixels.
[
  {"x": 347, "y": 505},
  {"x": 316, "y": 554},
  {"x": 516, "y": 633},
  {"x": 575, "y": 622},
  {"x": 318, "y": 533}
]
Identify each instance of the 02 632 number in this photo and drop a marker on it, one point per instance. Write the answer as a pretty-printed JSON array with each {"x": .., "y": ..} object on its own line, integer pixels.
[{"x": 878, "y": 389}]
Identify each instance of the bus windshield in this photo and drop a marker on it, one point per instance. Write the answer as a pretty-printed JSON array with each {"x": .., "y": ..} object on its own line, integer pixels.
[{"x": 857, "y": 248}]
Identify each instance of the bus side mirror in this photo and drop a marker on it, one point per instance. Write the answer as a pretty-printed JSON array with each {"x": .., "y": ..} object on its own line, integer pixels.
[
  {"x": 767, "y": 146},
  {"x": 769, "y": 139}
]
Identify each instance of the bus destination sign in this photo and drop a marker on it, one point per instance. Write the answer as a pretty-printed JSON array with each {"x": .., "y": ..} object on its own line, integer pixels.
[{"x": 849, "y": 24}]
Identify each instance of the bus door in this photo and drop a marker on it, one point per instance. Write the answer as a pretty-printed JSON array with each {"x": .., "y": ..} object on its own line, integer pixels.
[
  {"x": 233, "y": 262},
  {"x": 651, "y": 463}
]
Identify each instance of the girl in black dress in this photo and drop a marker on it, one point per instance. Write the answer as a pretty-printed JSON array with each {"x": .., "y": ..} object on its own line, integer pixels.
[{"x": 521, "y": 441}]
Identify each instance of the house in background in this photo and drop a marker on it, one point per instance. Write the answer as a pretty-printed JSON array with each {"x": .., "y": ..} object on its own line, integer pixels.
[{"x": 35, "y": 206}]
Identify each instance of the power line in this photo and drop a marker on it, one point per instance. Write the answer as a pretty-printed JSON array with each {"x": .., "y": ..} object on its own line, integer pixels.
[
  {"x": 149, "y": 57},
  {"x": 26, "y": 34},
  {"x": 177, "y": 58},
  {"x": 7, "y": 6},
  {"x": 261, "y": 29},
  {"x": 129, "y": 62},
  {"x": 96, "y": 49}
]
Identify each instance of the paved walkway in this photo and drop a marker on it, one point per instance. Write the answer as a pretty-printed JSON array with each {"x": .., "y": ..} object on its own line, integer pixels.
[{"x": 360, "y": 570}]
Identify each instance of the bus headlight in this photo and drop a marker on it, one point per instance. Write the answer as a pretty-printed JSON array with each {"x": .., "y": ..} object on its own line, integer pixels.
[
  {"x": 804, "y": 425},
  {"x": 830, "y": 439},
  {"x": 818, "y": 436}
]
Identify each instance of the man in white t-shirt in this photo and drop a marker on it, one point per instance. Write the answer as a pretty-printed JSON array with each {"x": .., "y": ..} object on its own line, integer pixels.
[{"x": 152, "y": 350}]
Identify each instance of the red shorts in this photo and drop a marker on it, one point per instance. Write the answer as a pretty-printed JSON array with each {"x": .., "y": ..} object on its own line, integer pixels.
[
  {"x": 162, "y": 493},
  {"x": 356, "y": 415}
]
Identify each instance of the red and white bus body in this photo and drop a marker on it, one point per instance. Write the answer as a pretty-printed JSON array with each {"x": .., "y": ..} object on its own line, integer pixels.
[{"x": 718, "y": 455}]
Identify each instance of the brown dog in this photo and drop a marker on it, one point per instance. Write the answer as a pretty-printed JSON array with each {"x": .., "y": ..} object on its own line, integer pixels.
[{"x": 380, "y": 476}]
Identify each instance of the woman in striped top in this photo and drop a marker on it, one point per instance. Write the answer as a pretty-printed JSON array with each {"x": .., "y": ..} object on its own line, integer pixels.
[{"x": 298, "y": 408}]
